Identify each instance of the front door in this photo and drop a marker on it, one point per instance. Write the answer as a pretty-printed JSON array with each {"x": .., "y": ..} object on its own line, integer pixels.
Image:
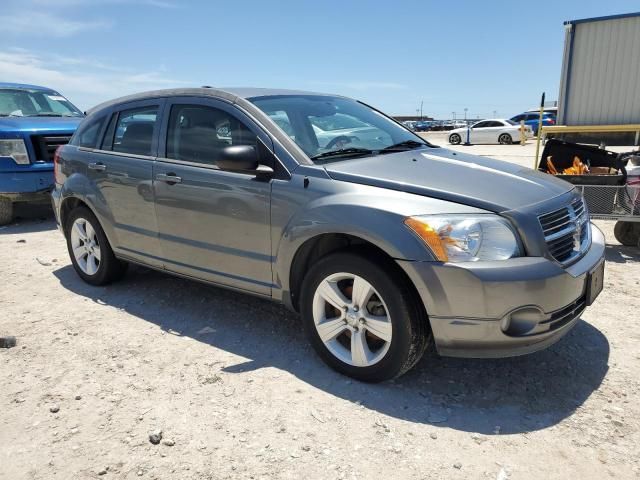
[
  {"x": 212, "y": 224},
  {"x": 122, "y": 168}
]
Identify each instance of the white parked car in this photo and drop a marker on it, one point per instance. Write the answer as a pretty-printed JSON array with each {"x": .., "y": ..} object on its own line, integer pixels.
[{"x": 494, "y": 130}]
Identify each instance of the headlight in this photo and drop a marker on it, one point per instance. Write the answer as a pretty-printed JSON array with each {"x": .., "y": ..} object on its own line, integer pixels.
[
  {"x": 461, "y": 238},
  {"x": 15, "y": 149}
]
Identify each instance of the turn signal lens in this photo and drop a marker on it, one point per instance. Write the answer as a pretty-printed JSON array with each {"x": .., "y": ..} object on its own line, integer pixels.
[{"x": 429, "y": 236}]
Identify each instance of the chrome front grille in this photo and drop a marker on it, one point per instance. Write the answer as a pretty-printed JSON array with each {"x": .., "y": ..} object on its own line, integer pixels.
[{"x": 567, "y": 231}]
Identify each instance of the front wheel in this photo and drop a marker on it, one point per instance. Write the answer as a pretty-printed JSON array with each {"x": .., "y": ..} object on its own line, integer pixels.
[
  {"x": 455, "y": 139},
  {"x": 362, "y": 318},
  {"x": 505, "y": 139},
  {"x": 89, "y": 249},
  {"x": 6, "y": 211}
]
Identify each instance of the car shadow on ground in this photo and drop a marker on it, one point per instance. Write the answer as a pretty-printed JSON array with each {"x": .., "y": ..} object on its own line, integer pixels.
[
  {"x": 487, "y": 396},
  {"x": 622, "y": 254},
  {"x": 30, "y": 218}
]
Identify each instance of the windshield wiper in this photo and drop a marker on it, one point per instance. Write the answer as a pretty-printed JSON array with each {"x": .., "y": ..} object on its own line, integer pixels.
[
  {"x": 45, "y": 114},
  {"x": 343, "y": 153},
  {"x": 402, "y": 146}
]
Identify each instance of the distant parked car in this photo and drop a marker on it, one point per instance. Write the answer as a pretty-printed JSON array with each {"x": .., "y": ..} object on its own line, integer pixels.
[
  {"x": 423, "y": 126},
  {"x": 496, "y": 130},
  {"x": 410, "y": 124},
  {"x": 533, "y": 119},
  {"x": 34, "y": 122}
]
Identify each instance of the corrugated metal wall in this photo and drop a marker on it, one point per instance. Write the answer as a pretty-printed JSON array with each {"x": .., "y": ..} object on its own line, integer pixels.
[{"x": 600, "y": 82}]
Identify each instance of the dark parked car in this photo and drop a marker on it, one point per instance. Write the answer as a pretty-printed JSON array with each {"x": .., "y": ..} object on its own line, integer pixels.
[
  {"x": 34, "y": 121},
  {"x": 423, "y": 126},
  {"x": 381, "y": 242}
]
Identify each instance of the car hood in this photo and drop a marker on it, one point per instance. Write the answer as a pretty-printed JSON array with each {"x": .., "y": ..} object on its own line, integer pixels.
[
  {"x": 457, "y": 177},
  {"x": 39, "y": 124}
]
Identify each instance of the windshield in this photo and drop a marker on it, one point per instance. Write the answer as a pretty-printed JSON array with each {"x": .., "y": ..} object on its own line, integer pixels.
[
  {"x": 323, "y": 125},
  {"x": 19, "y": 102}
]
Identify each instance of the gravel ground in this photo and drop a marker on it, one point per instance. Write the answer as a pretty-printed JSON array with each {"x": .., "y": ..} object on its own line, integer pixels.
[{"x": 237, "y": 393}]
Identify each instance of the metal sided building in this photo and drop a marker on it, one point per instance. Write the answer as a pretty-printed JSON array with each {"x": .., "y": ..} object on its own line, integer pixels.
[{"x": 600, "y": 81}]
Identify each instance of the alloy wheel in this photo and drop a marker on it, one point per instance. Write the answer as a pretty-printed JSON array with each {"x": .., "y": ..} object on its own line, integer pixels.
[
  {"x": 85, "y": 246},
  {"x": 352, "y": 319},
  {"x": 505, "y": 139}
]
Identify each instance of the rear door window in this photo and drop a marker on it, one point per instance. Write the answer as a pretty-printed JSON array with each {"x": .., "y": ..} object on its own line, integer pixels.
[{"x": 134, "y": 130}]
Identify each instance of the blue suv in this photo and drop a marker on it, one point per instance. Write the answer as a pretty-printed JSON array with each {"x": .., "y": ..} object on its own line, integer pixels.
[{"x": 34, "y": 122}]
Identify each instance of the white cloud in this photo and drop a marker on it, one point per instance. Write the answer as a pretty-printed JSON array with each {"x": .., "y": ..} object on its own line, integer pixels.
[
  {"x": 47, "y": 24},
  {"x": 85, "y": 82}
]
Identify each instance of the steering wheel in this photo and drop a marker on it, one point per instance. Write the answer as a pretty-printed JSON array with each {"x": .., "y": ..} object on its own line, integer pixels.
[{"x": 340, "y": 141}]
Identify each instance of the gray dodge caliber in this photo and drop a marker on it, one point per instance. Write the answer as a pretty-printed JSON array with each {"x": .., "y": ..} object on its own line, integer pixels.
[{"x": 381, "y": 241}]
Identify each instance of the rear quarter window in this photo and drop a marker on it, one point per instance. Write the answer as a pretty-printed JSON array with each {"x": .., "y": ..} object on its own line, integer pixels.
[{"x": 88, "y": 134}]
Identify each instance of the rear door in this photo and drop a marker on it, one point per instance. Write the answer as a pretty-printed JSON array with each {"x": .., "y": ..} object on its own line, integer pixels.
[
  {"x": 213, "y": 225},
  {"x": 122, "y": 170},
  {"x": 496, "y": 128}
]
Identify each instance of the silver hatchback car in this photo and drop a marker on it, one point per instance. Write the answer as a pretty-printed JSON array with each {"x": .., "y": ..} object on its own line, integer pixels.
[{"x": 382, "y": 241}]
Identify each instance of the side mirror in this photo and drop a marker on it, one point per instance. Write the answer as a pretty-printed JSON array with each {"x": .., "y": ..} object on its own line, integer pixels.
[{"x": 238, "y": 158}]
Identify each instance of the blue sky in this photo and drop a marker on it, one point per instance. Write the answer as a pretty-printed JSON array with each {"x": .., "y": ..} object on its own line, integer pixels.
[{"x": 485, "y": 56}]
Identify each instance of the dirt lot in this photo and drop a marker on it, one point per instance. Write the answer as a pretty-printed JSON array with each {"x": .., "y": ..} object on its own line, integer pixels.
[{"x": 238, "y": 393}]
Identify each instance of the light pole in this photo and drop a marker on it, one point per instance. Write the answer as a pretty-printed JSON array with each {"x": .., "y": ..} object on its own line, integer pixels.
[
  {"x": 453, "y": 114},
  {"x": 465, "y": 113},
  {"x": 421, "y": 103},
  {"x": 495, "y": 113}
]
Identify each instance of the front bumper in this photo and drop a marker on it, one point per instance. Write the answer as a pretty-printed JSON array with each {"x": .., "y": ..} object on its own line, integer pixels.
[
  {"x": 26, "y": 182},
  {"x": 534, "y": 300}
]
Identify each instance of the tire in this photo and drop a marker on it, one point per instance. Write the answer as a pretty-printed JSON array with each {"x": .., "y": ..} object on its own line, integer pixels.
[
  {"x": 104, "y": 267},
  {"x": 6, "y": 211},
  {"x": 387, "y": 355},
  {"x": 455, "y": 139},
  {"x": 627, "y": 233},
  {"x": 505, "y": 139}
]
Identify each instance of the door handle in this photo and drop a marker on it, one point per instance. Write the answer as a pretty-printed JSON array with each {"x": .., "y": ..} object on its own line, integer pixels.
[
  {"x": 169, "y": 178},
  {"x": 100, "y": 167}
]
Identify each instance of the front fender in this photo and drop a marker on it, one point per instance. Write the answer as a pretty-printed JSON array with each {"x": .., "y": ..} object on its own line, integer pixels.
[{"x": 369, "y": 218}]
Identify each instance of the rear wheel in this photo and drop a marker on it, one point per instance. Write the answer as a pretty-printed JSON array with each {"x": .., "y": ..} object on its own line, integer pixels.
[
  {"x": 455, "y": 139},
  {"x": 362, "y": 318},
  {"x": 627, "y": 233},
  {"x": 6, "y": 211},
  {"x": 505, "y": 139},
  {"x": 89, "y": 249}
]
